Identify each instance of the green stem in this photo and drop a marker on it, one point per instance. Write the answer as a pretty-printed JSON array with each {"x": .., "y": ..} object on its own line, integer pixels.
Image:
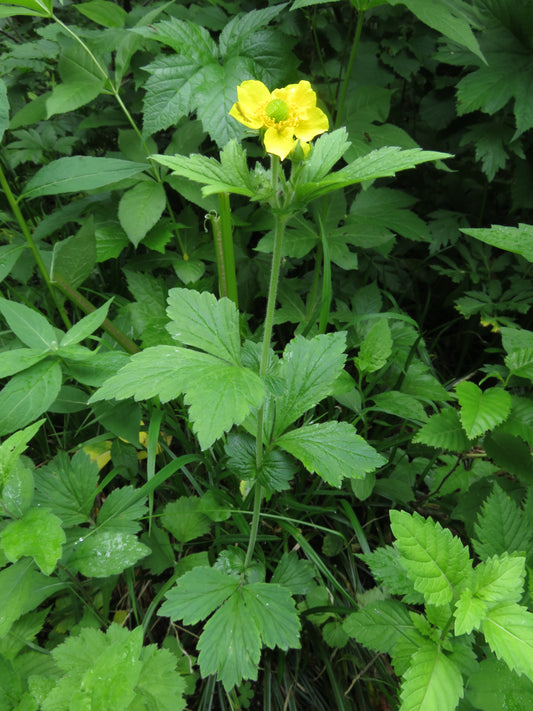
[
  {"x": 280, "y": 220},
  {"x": 223, "y": 238},
  {"x": 33, "y": 247},
  {"x": 349, "y": 68}
]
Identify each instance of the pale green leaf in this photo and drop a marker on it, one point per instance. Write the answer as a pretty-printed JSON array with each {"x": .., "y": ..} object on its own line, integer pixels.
[
  {"x": 107, "y": 552},
  {"x": 37, "y": 534},
  {"x": 481, "y": 410},
  {"x": 432, "y": 682},
  {"x": 501, "y": 527},
  {"x": 309, "y": 369},
  {"x": 159, "y": 684},
  {"x": 508, "y": 630},
  {"x": 12, "y": 447},
  {"x": 76, "y": 173},
  {"x": 184, "y": 519},
  {"x": 376, "y": 348},
  {"x": 500, "y": 579},
  {"x": 494, "y": 687},
  {"x": 28, "y": 394},
  {"x": 202, "y": 321},
  {"x": 18, "y": 583},
  {"x": 520, "y": 362},
  {"x": 333, "y": 450},
  {"x": 326, "y": 151},
  {"x": 443, "y": 431},
  {"x": 384, "y": 562},
  {"x": 140, "y": 208},
  {"x": 29, "y": 326},
  {"x": 197, "y": 594},
  {"x": 381, "y": 624},
  {"x": 86, "y": 326},
  {"x": 469, "y": 613},
  {"x": 436, "y": 561}
]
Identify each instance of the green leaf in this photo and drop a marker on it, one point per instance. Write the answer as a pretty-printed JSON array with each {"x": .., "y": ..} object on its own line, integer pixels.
[
  {"x": 384, "y": 562},
  {"x": 277, "y": 468},
  {"x": 494, "y": 687},
  {"x": 103, "y": 12},
  {"x": 122, "y": 510},
  {"x": 513, "y": 239},
  {"x": 333, "y": 450},
  {"x": 444, "y": 432},
  {"x": 37, "y": 534},
  {"x": 326, "y": 151},
  {"x": 295, "y": 574},
  {"x": 4, "y": 109},
  {"x": 386, "y": 210},
  {"x": 432, "y": 682},
  {"x": 184, "y": 519},
  {"x": 470, "y": 612},
  {"x": 197, "y": 594},
  {"x": 86, "y": 326},
  {"x": 219, "y": 395},
  {"x": 107, "y": 552},
  {"x": 159, "y": 682},
  {"x": 68, "y": 487},
  {"x": 38, "y": 8},
  {"x": 508, "y": 630},
  {"x": 202, "y": 321},
  {"x": 230, "y": 175},
  {"x": 500, "y": 579},
  {"x": 447, "y": 18},
  {"x": 511, "y": 454},
  {"x": 18, "y": 359},
  {"x": 401, "y": 405},
  {"x": 481, "y": 410},
  {"x": 309, "y": 369},
  {"x": 70, "y": 96},
  {"x": 17, "y": 493},
  {"x": 376, "y": 348},
  {"x": 501, "y": 527},
  {"x": 77, "y": 173},
  {"x": 436, "y": 561},
  {"x": 140, "y": 208},
  {"x": 16, "y": 584},
  {"x": 29, "y": 326},
  {"x": 28, "y": 394},
  {"x": 381, "y": 163},
  {"x": 520, "y": 363},
  {"x": 12, "y": 447}
]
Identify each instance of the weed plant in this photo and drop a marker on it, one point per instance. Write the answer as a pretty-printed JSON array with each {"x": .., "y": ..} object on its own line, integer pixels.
[{"x": 266, "y": 357}]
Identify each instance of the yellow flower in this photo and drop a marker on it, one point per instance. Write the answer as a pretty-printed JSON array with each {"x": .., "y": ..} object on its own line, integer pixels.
[{"x": 286, "y": 114}]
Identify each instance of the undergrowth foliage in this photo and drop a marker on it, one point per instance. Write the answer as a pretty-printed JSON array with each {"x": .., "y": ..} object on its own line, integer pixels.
[{"x": 266, "y": 358}]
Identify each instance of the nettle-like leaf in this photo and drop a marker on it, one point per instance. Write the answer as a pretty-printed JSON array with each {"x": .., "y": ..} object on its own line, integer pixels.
[
  {"x": 246, "y": 618},
  {"x": 38, "y": 534},
  {"x": 114, "y": 671},
  {"x": 508, "y": 629},
  {"x": 384, "y": 562},
  {"x": 432, "y": 683},
  {"x": 500, "y": 579},
  {"x": 501, "y": 527},
  {"x": 513, "y": 239},
  {"x": 219, "y": 391},
  {"x": 444, "y": 431},
  {"x": 469, "y": 613},
  {"x": 309, "y": 369},
  {"x": 481, "y": 410},
  {"x": 333, "y": 450},
  {"x": 436, "y": 560},
  {"x": 202, "y": 76},
  {"x": 277, "y": 468}
]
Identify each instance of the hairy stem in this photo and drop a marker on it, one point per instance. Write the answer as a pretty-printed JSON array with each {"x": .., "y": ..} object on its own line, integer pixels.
[{"x": 349, "y": 68}]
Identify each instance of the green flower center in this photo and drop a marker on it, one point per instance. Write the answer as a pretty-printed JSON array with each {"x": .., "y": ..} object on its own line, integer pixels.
[{"x": 277, "y": 110}]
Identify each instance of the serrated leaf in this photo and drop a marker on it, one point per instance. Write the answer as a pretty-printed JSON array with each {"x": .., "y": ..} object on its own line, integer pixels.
[
  {"x": 520, "y": 362},
  {"x": 37, "y": 534},
  {"x": 309, "y": 369},
  {"x": 481, "y": 410},
  {"x": 444, "y": 432},
  {"x": 159, "y": 681},
  {"x": 508, "y": 630},
  {"x": 511, "y": 454},
  {"x": 28, "y": 394},
  {"x": 380, "y": 625},
  {"x": 184, "y": 519},
  {"x": 122, "y": 510},
  {"x": 29, "y": 326},
  {"x": 326, "y": 151},
  {"x": 333, "y": 450},
  {"x": 513, "y": 239},
  {"x": 386, "y": 209},
  {"x": 197, "y": 594},
  {"x": 469, "y": 613},
  {"x": 376, "y": 348},
  {"x": 501, "y": 527},
  {"x": 12, "y": 447},
  {"x": 432, "y": 682},
  {"x": 76, "y": 173},
  {"x": 107, "y": 552},
  {"x": 436, "y": 561},
  {"x": 493, "y": 687},
  {"x": 202, "y": 321},
  {"x": 500, "y": 579},
  {"x": 277, "y": 468},
  {"x": 386, "y": 567},
  {"x": 272, "y": 609},
  {"x": 219, "y": 395},
  {"x": 295, "y": 574}
]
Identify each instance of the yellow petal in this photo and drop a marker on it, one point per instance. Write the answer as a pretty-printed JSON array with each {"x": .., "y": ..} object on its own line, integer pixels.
[
  {"x": 314, "y": 124},
  {"x": 252, "y": 95},
  {"x": 248, "y": 121},
  {"x": 301, "y": 95},
  {"x": 280, "y": 143}
]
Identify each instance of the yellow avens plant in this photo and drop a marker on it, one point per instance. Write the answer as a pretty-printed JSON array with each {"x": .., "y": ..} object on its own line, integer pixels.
[{"x": 286, "y": 115}]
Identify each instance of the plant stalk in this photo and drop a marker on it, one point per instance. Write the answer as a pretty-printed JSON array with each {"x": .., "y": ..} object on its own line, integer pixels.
[{"x": 349, "y": 68}]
